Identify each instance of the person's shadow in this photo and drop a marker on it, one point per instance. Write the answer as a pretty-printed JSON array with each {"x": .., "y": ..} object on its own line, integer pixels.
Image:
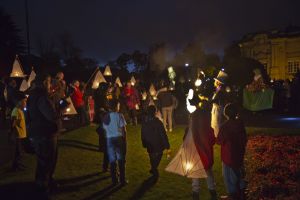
[
  {"x": 104, "y": 193},
  {"x": 79, "y": 145},
  {"x": 27, "y": 190},
  {"x": 144, "y": 187}
]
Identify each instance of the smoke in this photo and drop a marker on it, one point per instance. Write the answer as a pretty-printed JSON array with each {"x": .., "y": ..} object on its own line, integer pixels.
[{"x": 161, "y": 56}]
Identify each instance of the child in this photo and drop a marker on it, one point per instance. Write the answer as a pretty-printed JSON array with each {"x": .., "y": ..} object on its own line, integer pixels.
[
  {"x": 154, "y": 138},
  {"x": 204, "y": 139},
  {"x": 232, "y": 138},
  {"x": 18, "y": 130},
  {"x": 114, "y": 125}
]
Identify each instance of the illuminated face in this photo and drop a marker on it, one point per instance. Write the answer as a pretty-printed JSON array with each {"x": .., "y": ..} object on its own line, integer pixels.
[
  {"x": 23, "y": 103},
  {"x": 76, "y": 83},
  {"x": 60, "y": 76},
  {"x": 47, "y": 83}
]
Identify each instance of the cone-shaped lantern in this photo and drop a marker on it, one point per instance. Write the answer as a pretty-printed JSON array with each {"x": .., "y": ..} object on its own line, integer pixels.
[
  {"x": 31, "y": 77},
  {"x": 144, "y": 95},
  {"x": 17, "y": 70},
  {"x": 118, "y": 82},
  {"x": 187, "y": 161},
  {"x": 99, "y": 78},
  {"x": 132, "y": 81},
  {"x": 24, "y": 86},
  {"x": 107, "y": 71},
  {"x": 70, "y": 109},
  {"x": 152, "y": 90}
]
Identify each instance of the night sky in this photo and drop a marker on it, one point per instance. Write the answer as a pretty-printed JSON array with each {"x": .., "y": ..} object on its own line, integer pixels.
[{"x": 105, "y": 29}]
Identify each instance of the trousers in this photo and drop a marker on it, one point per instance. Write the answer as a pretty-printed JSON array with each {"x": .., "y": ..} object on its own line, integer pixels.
[
  {"x": 210, "y": 182},
  {"x": 46, "y": 155}
]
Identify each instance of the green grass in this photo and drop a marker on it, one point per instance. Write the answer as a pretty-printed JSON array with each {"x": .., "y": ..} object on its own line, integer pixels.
[{"x": 79, "y": 167}]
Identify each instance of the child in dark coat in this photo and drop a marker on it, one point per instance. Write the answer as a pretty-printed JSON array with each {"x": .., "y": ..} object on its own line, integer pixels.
[
  {"x": 233, "y": 139},
  {"x": 154, "y": 139}
]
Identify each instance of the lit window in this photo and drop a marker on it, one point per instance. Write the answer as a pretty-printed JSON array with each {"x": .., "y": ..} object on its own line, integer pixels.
[{"x": 293, "y": 67}]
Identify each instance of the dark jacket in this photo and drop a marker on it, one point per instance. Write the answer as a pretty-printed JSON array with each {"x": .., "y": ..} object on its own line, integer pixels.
[
  {"x": 42, "y": 117},
  {"x": 154, "y": 136},
  {"x": 165, "y": 99},
  {"x": 233, "y": 139}
]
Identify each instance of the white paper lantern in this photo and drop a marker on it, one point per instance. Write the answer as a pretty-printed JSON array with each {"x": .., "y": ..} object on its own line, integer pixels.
[
  {"x": 99, "y": 78},
  {"x": 17, "y": 70},
  {"x": 107, "y": 71}
]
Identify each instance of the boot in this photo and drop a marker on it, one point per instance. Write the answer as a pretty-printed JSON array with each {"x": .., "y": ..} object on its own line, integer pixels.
[
  {"x": 213, "y": 194},
  {"x": 195, "y": 195},
  {"x": 121, "y": 164},
  {"x": 113, "y": 173}
]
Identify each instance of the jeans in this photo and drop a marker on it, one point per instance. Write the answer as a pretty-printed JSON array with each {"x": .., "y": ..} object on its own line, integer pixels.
[
  {"x": 233, "y": 179},
  {"x": 210, "y": 182},
  {"x": 167, "y": 116},
  {"x": 46, "y": 154},
  {"x": 116, "y": 149}
]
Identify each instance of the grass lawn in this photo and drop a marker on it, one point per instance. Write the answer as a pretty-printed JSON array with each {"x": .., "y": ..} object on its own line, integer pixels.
[{"x": 79, "y": 171}]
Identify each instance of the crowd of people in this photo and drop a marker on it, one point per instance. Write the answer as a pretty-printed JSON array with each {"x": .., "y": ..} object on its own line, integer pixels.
[{"x": 39, "y": 112}]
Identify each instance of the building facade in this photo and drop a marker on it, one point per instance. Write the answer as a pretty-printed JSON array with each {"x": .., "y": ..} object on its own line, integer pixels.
[{"x": 278, "y": 51}]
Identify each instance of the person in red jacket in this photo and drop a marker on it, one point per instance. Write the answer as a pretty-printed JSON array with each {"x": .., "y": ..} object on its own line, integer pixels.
[
  {"x": 77, "y": 99},
  {"x": 233, "y": 139},
  {"x": 132, "y": 101},
  {"x": 204, "y": 139}
]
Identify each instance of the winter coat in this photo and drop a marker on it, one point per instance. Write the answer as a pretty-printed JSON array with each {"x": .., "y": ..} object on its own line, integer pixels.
[
  {"x": 42, "y": 116},
  {"x": 233, "y": 139},
  {"x": 154, "y": 136},
  {"x": 131, "y": 97}
]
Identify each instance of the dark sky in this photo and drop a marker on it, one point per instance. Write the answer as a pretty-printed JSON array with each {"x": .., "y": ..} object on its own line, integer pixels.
[{"x": 105, "y": 29}]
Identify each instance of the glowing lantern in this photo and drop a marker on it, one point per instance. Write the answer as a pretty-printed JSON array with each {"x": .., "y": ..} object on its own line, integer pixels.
[
  {"x": 152, "y": 90},
  {"x": 171, "y": 73},
  {"x": 70, "y": 109},
  {"x": 187, "y": 161},
  {"x": 198, "y": 82},
  {"x": 132, "y": 81},
  {"x": 107, "y": 71},
  {"x": 99, "y": 78},
  {"x": 227, "y": 89},
  {"x": 17, "y": 70},
  {"x": 118, "y": 82},
  {"x": 144, "y": 96},
  {"x": 190, "y": 107}
]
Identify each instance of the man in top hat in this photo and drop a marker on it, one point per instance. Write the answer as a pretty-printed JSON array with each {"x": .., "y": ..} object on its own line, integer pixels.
[{"x": 218, "y": 101}]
